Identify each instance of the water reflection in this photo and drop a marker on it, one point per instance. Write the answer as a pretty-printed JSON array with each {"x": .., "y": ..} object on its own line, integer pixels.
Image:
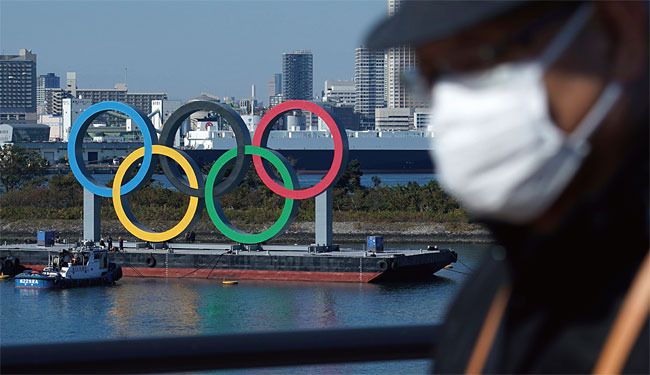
[{"x": 155, "y": 307}]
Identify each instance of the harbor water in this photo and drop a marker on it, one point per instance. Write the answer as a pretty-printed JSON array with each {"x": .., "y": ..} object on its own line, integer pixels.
[
  {"x": 138, "y": 307},
  {"x": 387, "y": 179}
]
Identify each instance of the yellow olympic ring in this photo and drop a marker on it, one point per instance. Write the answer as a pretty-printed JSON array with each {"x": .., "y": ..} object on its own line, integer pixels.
[{"x": 136, "y": 230}]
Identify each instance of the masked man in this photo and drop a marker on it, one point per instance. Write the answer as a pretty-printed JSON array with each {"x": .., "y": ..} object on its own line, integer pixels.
[{"x": 540, "y": 120}]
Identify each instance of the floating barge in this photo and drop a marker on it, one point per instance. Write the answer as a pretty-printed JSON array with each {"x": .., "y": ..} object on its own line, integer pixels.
[{"x": 272, "y": 262}]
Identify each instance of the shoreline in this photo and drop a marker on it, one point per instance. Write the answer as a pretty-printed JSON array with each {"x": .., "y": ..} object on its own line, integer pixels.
[{"x": 24, "y": 231}]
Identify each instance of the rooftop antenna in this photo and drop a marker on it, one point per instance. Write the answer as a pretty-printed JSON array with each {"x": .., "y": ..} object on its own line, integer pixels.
[{"x": 125, "y": 77}]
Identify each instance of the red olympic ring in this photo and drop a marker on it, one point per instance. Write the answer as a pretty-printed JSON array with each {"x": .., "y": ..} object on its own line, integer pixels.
[{"x": 337, "y": 161}]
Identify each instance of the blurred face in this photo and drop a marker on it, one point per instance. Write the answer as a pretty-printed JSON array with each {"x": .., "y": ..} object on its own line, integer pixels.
[{"x": 612, "y": 47}]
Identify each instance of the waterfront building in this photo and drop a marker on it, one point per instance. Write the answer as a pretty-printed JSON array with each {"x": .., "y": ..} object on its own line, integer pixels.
[
  {"x": 398, "y": 59},
  {"x": 297, "y": 75},
  {"x": 18, "y": 87},
  {"x": 45, "y": 81},
  {"x": 296, "y": 121},
  {"x": 161, "y": 110},
  {"x": 72, "y": 108},
  {"x": 251, "y": 121},
  {"x": 393, "y": 119},
  {"x": 55, "y": 123},
  {"x": 341, "y": 93},
  {"x": 421, "y": 118},
  {"x": 16, "y": 132},
  {"x": 369, "y": 85}
]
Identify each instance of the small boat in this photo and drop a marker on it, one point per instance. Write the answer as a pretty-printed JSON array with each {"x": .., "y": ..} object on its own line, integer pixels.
[
  {"x": 10, "y": 266},
  {"x": 230, "y": 282},
  {"x": 72, "y": 268}
]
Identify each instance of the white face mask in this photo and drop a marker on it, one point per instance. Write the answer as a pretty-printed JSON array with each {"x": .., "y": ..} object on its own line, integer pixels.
[{"x": 496, "y": 148}]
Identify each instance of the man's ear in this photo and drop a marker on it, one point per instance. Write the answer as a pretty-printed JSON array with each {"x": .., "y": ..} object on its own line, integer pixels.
[{"x": 627, "y": 22}]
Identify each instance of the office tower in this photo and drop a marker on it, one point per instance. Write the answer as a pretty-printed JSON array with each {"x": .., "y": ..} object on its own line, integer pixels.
[
  {"x": 369, "y": 85},
  {"x": 275, "y": 85},
  {"x": 398, "y": 59},
  {"x": 46, "y": 81},
  {"x": 341, "y": 93},
  {"x": 297, "y": 75},
  {"x": 18, "y": 86}
]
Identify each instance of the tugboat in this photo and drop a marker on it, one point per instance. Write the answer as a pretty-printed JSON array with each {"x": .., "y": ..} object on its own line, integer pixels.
[
  {"x": 10, "y": 266},
  {"x": 72, "y": 268}
]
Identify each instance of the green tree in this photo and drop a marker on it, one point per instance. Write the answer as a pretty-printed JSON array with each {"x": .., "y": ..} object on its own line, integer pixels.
[
  {"x": 19, "y": 166},
  {"x": 351, "y": 178}
]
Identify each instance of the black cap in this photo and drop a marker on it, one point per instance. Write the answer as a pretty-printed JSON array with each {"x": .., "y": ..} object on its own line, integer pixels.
[{"x": 417, "y": 22}]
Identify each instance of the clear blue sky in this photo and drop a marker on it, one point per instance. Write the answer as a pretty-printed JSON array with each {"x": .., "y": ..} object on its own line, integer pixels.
[{"x": 187, "y": 47}]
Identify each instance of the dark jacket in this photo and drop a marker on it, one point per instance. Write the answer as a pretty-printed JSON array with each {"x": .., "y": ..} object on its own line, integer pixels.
[{"x": 566, "y": 288}]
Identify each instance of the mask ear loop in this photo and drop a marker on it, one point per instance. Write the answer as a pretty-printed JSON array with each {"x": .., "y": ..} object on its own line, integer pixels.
[
  {"x": 609, "y": 97},
  {"x": 588, "y": 125},
  {"x": 566, "y": 35}
]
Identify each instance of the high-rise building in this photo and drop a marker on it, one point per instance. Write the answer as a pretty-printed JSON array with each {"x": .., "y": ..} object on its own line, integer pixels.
[
  {"x": 18, "y": 86},
  {"x": 369, "y": 85},
  {"x": 341, "y": 93},
  {"x": 275, "y": 86},
  {"x": 398, "y": 59},
  {"x": 45, "y": 81},
  {"x": 297, "y": 75},
  {"x": 54, "y": 100}
]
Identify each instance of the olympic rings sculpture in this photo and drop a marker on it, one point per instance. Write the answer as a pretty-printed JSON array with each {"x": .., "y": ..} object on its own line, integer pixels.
[{"x": 205, "y": 192}]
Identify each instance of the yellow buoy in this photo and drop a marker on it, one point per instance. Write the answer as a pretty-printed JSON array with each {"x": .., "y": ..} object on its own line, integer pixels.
[{"x": 230, "y": 282}]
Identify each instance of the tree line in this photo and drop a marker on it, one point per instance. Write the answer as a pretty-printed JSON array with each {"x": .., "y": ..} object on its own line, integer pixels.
[{"x": 61, "y": 197}]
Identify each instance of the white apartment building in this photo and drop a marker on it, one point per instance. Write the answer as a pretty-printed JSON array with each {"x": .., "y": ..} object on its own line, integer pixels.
[
  {"x": 393, "y": 119},
  {"x": 421, "y": 118},
  {"x": 341, "y": 93},
  {"x": 72, "y": 108}
]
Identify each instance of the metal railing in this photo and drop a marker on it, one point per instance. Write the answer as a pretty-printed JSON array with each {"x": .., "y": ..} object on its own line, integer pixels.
[{"x": 216, "y": 352}]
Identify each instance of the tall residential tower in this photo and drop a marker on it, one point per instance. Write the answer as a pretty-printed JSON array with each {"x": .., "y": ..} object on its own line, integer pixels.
[
  {"x": 369, "y": 85},
  {"x": 398, "y": 59},
  {"x": 297, "y": 75}
]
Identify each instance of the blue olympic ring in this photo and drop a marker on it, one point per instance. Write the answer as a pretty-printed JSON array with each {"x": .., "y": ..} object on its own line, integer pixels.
[{"x": 75, "y": 150}]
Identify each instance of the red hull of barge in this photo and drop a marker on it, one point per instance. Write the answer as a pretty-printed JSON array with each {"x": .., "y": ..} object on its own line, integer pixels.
[{"x": 242, "y": 274}]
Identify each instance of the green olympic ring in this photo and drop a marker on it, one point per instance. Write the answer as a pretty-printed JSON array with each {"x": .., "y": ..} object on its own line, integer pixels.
[{"x": 215, "y": 210}]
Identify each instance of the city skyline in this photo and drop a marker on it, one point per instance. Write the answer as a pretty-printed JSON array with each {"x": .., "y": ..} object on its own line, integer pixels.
[{"x": 244, "y": 51}]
